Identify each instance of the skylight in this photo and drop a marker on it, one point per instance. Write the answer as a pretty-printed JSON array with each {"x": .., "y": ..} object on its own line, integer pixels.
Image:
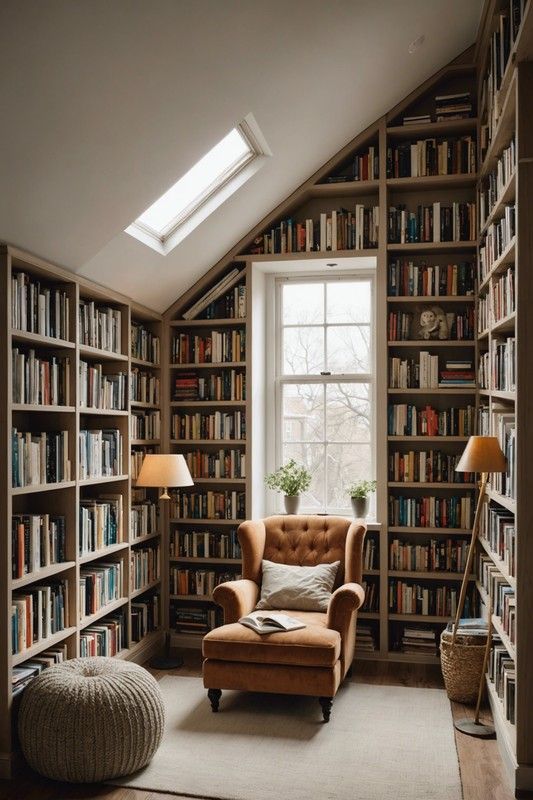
[{"x": 177, "y": 212}]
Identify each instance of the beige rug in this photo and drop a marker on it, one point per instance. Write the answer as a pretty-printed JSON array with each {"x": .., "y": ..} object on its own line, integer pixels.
[{"x": 382, "y": 742}]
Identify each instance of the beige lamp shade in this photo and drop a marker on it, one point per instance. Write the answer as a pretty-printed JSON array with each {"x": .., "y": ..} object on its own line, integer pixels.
[
  {"x": 163, "y": 471},
  {"x": 482, "y": 454}
]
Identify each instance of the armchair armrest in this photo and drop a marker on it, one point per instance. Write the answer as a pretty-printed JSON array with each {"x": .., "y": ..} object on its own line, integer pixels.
[
  {"x": 343, "y": 605},
  {"x": 237, "y": 598}
]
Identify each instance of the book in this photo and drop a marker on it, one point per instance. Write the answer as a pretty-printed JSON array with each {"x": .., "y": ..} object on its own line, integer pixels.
[{"x": 271, "y": 623}]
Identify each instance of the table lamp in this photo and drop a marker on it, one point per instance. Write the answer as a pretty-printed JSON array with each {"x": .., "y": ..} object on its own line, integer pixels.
[
  {"x": 482, "y": 454},
  {"x": 164, "y": 471}
]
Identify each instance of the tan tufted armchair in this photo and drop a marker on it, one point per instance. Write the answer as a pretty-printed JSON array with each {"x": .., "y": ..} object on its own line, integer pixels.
[{"x": 312, "y": 660}]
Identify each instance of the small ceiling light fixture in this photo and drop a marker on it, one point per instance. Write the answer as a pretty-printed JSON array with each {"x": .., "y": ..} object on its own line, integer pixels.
[{"x": 416, "y": 44}]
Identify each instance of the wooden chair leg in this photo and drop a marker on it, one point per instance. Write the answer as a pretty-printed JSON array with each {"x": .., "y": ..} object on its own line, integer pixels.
[
  {"x": 214, "y": 696},
  {"x": 325, "y": 704}
]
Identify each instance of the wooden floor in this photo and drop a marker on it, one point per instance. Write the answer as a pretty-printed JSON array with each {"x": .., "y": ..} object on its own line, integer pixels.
[{"x": 481, "y": 767}]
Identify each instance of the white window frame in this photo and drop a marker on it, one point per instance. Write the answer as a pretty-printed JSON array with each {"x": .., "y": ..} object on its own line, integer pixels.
[{"x": 277, "y": 380}]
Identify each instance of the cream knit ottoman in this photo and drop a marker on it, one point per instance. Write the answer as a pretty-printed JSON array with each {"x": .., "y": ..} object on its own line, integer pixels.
[{"x": 91, "y": 719}]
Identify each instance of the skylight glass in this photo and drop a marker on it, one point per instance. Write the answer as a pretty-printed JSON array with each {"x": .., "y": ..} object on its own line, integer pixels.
[{"x": 207, "y": 175}]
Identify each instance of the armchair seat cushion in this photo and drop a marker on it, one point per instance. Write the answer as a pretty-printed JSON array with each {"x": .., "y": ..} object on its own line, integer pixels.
[{"x": 312, "y": 646}]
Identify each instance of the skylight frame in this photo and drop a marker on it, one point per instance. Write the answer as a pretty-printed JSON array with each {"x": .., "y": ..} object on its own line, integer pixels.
[{"x": 223, "y": 185}]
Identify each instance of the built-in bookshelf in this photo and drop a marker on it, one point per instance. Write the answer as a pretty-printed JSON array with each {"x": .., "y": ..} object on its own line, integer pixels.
[
  {"x": 70, "y": 513},
  {"x": 209, "y": 423}
]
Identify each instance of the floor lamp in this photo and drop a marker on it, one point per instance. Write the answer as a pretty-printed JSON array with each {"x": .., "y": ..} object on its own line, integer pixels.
[
  {"x": 482, "y": 454},
  {"x": 164, "y": 471}
]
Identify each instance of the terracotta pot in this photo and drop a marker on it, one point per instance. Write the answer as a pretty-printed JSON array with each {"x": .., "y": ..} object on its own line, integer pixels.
[
  {"x": 360, "y": 507},
  {"x": 291, "y": 503}
]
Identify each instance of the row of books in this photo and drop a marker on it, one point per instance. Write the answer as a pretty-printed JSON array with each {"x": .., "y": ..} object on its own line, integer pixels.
[
  {"x": 493, "y": 186},
  {"x": 40, "y": 380},
  {"x": 144, "y": 387},
  {"x": 99, "y": 389},
  {"x": 194, "y": 620},
  {"x": 227, "y": 385},
  {"x": 425, "y": 157},
  {"x": 400, "y": 326},
  {"x": 426, "y": 466},
  {"x": 364, "y": 167},
  {"x": 99, "y": 585},
  {"x": 144, "y": 519},
  {"x": 145, "y": 616},
  {"x": 371, "y": 553},
  {"x": 216, "y": 464},
  {"x": 501, "y": 594},
  {"x": 212, "y": 348},
  {"x": 198, "y": 581},
  {"x": 208, "y": 505},
  {"x": 439, "y": 601},
  {"x": 497, "y": 366},
  {"x": 408, "y": 420},
  {"x": 100, "y": 453},
  {"x": 498, "y": 530},
  {"x": 338, "y": 230},
  {"x": 38, "y": 613},
  {"x": 232, "y": 305},
  {"x": 431, "y": 511},
  {"x": 497, "y": 239},
  {"x": 504, "y": 427},
  {"x": 39, "y": 458},
  {"x": 407, "y": 279},
  {"x": 22, "y": 675},
  {"x": 100, "y": 326},
  {"x": 204, "y": 544},
  {"x": 145, "y": 345},
  {"x": 371, "y": 603},
  {"x": 502, "y": 296},
  {"x": 502, "y": 674},
  {"x": 100, "y": 523},
  {"x": 508, "y": 22},
  {"x": 145, "y": 566},
  {"x": 446, "y": 555},
  {"x": 107, "y": 638},
  {"x": 37, "y": 308},
  {"x": 453, "y": 106},
  {"x": 433, "y": 223},
  {"x": 145, "y": 425},
  {"x": 218, "y": 425},
  {"x": 136, "y": 460},
  {"x": 37, "y": 541},
  {"x": 407, "y": 373}
]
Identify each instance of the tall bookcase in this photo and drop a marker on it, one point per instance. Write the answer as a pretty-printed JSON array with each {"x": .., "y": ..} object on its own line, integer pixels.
[{"x": 130, "y": 608}]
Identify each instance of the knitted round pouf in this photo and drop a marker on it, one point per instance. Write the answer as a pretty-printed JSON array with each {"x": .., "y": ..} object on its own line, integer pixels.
[{"x": 91, "y": 719}]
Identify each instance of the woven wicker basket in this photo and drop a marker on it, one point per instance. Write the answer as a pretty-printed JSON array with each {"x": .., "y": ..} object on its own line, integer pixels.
[{"x": 462, "y": 664}]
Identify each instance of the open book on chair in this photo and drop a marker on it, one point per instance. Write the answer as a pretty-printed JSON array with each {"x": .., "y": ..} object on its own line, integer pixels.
[{"x": 262, "y": 622}]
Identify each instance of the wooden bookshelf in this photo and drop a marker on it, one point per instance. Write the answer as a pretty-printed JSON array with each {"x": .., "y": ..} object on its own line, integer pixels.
[{"x": 63, "y": 498}]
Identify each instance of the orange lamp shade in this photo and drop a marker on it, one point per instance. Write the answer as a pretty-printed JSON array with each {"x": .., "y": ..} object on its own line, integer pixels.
[
  {"x": 482, "y": 454},
  {"x": 164, "y": 470}
]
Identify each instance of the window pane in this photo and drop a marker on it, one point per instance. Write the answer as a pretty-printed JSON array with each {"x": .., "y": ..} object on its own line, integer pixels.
[
  {"x": 303, "y": 351},
  {"x": 346, "y": 463},
  {"x": 312, "y": 457},
  {"x": 349, "y": 301},
  {"x": 349, "y": 349},
  {"x": 348, "y": 412},
  {"x": 303, "y": 303},
  {"x": 303, "y": 412}
]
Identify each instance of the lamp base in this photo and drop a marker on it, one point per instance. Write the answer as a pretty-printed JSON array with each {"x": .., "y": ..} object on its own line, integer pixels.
[{"x": 472, "y": 728}]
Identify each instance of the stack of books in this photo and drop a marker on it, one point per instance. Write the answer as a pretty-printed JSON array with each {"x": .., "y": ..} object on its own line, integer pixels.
[
  {"x": 453, "y": 106},
  {"x": 22, "y": 675},
  {"x": 144, "y": 617},
  {"x": 364, "y": 640},
  {"x": 458, "y": 374},
  {"x": 417, "y": 639},
  {"x": 417, "y": 119}
]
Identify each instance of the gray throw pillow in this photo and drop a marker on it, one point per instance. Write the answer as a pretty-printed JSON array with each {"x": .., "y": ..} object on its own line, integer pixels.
[{"x": 299, "y": 588}]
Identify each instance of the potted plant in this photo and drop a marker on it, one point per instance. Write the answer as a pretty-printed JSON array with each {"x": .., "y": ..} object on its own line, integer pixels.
[
  {"x": 359, "y": 493},
  {"x": 291, "y": 479}
]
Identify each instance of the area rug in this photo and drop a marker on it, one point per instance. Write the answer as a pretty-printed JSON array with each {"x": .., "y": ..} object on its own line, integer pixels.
[{"x": 382, "y": 742}]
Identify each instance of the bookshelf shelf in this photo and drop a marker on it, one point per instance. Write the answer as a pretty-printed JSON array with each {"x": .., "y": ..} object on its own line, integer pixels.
[
  {"x": 137, "y": 404},
  {"x": 432, "y": 247},
  {"x": 206, "y": 522},
  {"x": 499, "y": 395},
  {"x": 214, "y": 442},
  {"x": 201, "y": 560},
  {"x": 86, "y": 351},
  {"x": 505, "y": 325},
  {"x": 429, "y": 130},
  {"x": 432, "y": 182},
  {"x": 436, "y": 298},
  {"x": 498, "y": 627},
  {"x": 44, "y": 644},
  {"x": 435, "y": 485},
  {"x": 102, "y": 412},
  {"x": 107, "y": 479},
  {"x": 434, "y": 390},
  {"x": 42, "y": 487},
  {"x": 152, "y": 585},
  {"x": 208, "y": 404},
  {"x": 200, "y": 598},
  {"x": 368, "y": 615},
  {"x": 36, "y": 339},
  {"x": 506, "y": 502},
  {"x": 427, "y": 438},
  {"x": 505, "y": 127},
  {"x": 344, "y": 189},
  {"x": 508, "y": 194},
  {"x": 208, "y": 323},
  {"x": 145, "y": 442},
  {"x": 329, "y": 254},
  {"x": 428, "y": 576},
  {"x": 103, "y": 612},
  {"x": 500, "y": 265},
  {"x": 147, "y": 537},
  {"x": 41, "y": 574},
  {"x": 418, "y": 618},
  {"x": 222, "y": 481},
  {"x": 145, "y": 644},
  {"x": 497, "y": 561},
  {"x": 416, "y": 658},
  {"x": 433, "y": 343},
  {"x": 210, "y": 365},
  {"x": 432, "y": 531},
  {"x": 86, "y": 558},
  {"x": 18, "y": 407}
]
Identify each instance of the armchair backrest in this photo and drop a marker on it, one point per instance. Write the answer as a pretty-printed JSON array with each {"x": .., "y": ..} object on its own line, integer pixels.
[{"x": 303, "y": 540}]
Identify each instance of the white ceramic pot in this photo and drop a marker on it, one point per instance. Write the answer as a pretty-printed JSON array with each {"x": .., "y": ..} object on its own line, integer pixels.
[
  {"x": 291, "y": 503},
  {"x": 360, "y": 507}
]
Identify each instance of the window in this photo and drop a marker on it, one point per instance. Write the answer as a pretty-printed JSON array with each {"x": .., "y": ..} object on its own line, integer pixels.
[
  {"x": 213, "y": 179},
  {"x": 324, "y": 384}
]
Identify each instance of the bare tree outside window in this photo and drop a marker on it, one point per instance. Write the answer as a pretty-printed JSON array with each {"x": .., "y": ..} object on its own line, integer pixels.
[{"x": 325, "y": 381}]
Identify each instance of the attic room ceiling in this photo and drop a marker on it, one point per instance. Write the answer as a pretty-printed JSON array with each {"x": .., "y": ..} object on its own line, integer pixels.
[{"x": 106, "y": 104}]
